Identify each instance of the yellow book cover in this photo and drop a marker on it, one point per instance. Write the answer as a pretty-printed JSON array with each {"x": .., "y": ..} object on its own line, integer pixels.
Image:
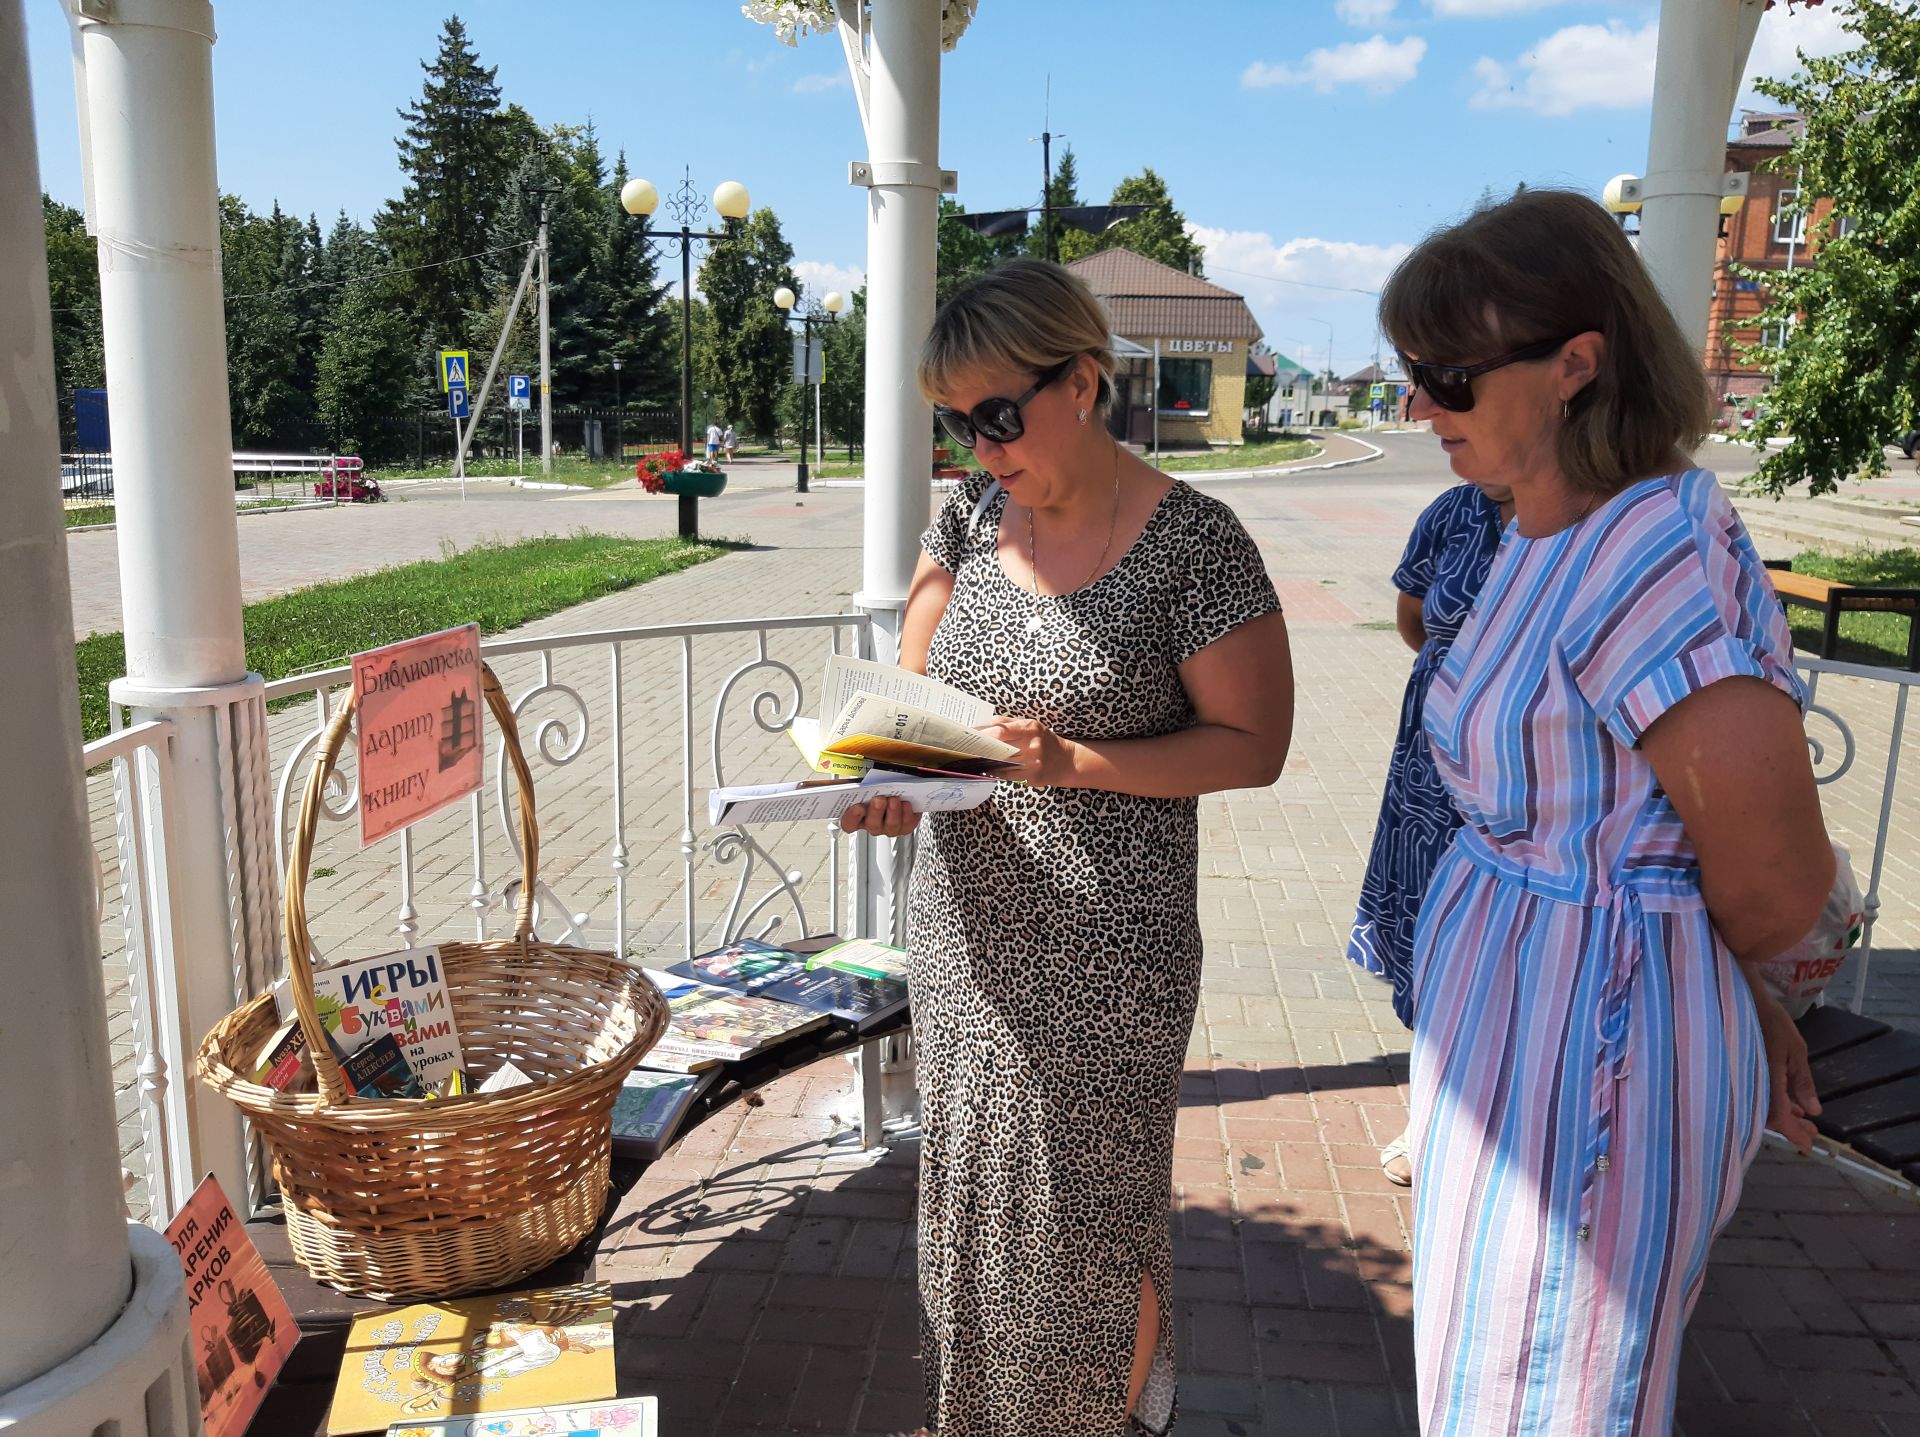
[{"x": 471, "y": 1356}]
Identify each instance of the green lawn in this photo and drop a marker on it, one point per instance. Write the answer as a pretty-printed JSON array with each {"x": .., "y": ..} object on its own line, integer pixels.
[
  {"x": 89, "y": 514},
  {"x": 1864, "y": 638},
  {"x": 498, "y": 586},
  {"x": 567, "y": 469},
  {"x": 1247, "y": 456}
]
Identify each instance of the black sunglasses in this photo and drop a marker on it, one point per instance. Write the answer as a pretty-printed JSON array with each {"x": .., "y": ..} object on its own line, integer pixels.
[
  {"x": 1451, "y": 385},
  {"x": 998, "y": 419}
]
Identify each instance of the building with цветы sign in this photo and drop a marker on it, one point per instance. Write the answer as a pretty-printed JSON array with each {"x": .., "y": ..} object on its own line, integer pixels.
[{"x": 1202, "y": 333}]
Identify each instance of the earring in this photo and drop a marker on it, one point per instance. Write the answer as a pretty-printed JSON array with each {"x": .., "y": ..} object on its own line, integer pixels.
[
  {"x": 1566, "y": 409},
  {"x": 1083, "y": 416}
]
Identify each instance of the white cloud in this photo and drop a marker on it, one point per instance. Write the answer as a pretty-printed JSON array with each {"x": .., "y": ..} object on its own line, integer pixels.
[
  {"x": 820, "y": 84},
  {"x": 1782, "y": 34},
  {"x": 1250, "y": 261},
  {"x": 1365, "y": 12},
  {"x": 1583, "y": 67},
  {"x": 818, "y": 277},
  {"x": 1380, "y": 64},
  {"x": 1481, "y": 9}
]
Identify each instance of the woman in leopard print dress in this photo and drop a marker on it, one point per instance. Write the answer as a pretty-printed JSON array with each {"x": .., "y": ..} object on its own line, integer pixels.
[{"x": 1123, "y": 628}]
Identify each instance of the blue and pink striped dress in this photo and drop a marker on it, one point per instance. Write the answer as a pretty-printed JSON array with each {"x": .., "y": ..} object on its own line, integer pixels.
[{"x": 1588, "y": 1079}]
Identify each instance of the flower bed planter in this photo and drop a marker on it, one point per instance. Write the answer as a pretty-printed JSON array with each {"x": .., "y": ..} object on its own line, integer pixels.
[{"x": 690, "y": 481}]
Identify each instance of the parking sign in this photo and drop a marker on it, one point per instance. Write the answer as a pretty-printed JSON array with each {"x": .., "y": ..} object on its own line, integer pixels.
[
  {"x": 457, "y": 401},
  {"x": 519, "y": 391}
]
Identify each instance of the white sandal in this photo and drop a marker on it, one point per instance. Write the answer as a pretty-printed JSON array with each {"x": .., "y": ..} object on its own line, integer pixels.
[{"x": 1397, "y": 1162}]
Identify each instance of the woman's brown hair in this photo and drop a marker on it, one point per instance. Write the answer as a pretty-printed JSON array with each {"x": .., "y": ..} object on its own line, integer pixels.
[
  {"x": 1545, "y": 265},
  {"x": 1024, "y": 314}
]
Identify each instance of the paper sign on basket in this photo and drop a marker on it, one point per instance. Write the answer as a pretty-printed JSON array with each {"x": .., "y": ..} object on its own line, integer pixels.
[
  {"x": 239, "y": 1327},
  {"x": 419, "y": 728}
]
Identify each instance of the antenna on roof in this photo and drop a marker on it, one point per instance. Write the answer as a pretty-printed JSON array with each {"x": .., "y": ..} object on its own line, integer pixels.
[{"x": 1046, "y": 138}]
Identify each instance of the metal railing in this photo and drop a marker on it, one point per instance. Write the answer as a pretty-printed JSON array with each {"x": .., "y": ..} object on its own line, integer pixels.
[{"x": 154, "y": 1056}]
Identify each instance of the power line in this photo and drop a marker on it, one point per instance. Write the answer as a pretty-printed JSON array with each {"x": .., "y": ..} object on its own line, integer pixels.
[
  {"x": 386, "y": 273},
  {"x": 1302, "y": 283}
]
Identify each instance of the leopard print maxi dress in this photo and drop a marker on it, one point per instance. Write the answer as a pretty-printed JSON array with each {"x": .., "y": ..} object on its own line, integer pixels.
[{"x": 1055, "y": 963}]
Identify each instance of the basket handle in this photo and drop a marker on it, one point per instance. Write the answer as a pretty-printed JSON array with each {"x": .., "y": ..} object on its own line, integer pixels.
[{"x": 299, "y": 942}]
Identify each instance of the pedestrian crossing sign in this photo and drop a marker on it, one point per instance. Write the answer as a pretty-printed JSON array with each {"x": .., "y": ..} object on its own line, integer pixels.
[{"x": 453, "y": 369}]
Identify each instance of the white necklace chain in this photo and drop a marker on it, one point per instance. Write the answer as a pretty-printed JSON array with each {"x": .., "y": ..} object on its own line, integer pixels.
[{"x": 1036, "y": 620}]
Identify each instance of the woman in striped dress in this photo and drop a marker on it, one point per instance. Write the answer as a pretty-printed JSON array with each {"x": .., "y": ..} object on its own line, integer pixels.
[{"x": 1619, "y": 726}]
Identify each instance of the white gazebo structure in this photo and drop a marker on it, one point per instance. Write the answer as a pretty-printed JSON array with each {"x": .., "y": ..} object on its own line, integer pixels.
[{"x": 104, "y": 1351}]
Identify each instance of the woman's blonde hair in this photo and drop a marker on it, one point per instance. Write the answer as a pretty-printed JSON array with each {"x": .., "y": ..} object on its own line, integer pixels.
[
  {"x": 1546, "y": 265},
  {"x": 1023, "y": 314}
]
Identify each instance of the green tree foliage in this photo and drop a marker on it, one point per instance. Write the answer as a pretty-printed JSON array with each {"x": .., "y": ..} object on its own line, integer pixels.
[
  {"x": 1160, "y": 233},
  {"x": 749, "y": 356},
  {"x": 1847, "y": 378},
  {"x": 258, "y": 255},
  {"x": 365, "y": 360},
  {"x": 1065, "y": 189},
  {"x": 73, "y": 281},
  {"x": 634, "y": 325},
  {"x": 1260, "y": 387},
  {"x": 960, "y": 254},
  {"x": 457, "y": 149},
  {"x": 843, "y": 381}
]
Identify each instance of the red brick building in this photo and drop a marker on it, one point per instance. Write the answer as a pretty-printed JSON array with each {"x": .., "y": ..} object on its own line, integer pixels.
[{"x": 1759, "y": 235}]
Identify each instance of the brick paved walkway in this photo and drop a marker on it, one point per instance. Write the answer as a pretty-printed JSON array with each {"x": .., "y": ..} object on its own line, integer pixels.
[{"x": 765, "y": 1271}]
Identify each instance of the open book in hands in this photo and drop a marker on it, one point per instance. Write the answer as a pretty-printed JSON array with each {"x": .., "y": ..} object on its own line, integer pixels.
[{"x": 894, "y": 734}]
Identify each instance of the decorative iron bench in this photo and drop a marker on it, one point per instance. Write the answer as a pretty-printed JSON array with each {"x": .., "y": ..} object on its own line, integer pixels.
[
  {"x": 1833, "y": 598},
  {"x": 1868, "y": 1078}
]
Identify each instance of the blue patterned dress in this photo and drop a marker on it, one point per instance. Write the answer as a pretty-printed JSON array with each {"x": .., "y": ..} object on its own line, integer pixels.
[{"x": 1446, "y": 562}]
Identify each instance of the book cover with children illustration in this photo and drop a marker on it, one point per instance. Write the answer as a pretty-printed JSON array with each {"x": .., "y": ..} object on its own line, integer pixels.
[{"x": 476, "y": 1356}]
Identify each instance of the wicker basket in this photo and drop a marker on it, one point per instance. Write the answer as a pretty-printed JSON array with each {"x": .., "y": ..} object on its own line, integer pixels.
[{"x": 395, "y": 1198}]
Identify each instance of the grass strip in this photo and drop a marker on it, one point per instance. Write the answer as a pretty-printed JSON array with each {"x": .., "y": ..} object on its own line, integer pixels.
[
  {"x": 1864, "y": 638},
  {"x": 498, "y": 585},
  {"x": 1247, "y": 456}
]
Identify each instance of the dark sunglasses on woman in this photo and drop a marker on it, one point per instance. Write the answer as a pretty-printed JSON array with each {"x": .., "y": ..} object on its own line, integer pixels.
[
  {"x": 1451, "y": 385},
  {"x": 997, "y": 419}
]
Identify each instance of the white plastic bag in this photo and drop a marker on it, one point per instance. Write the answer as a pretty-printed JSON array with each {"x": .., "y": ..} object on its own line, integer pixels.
[{"x": 1798, "y": 975}]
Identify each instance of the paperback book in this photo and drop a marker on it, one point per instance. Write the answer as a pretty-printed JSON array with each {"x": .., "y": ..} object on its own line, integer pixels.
[
  {"x": 476, "y": 1356},
  {"x": 620, "y": 1417},
  {"x": 403, "y": 993},
  {"x": 759, "y": 969},
  {"x": 649, "y": 1109},
  {"x": 713, "y": 1025},
  {"x": 866, "y": 956}
]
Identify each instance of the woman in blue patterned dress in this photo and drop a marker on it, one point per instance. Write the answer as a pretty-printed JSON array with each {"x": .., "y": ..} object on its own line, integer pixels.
[{"x": 1439, "y": 577}]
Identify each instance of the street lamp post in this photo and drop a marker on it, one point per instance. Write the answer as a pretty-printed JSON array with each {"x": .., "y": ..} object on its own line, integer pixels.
[
  {"x": 730, "y": 201},
  {"x": 784, "y": 300},
  {"x": 619, "y": 420},
  {"x": 1312, "y": 320}
]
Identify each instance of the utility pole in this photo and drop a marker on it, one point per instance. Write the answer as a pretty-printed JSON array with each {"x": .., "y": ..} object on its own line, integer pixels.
[
  {"x": 1046, "y": 174},
  {"x": 546, "y": 353}
]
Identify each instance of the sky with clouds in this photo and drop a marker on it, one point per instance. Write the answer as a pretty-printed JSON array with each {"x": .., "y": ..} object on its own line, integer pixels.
[{"x": 1309, "y": 142}]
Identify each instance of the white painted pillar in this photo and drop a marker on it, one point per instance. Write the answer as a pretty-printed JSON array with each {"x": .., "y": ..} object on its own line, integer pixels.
[
  {"x": 145, "y": 72},
  {"x": 903, "y": 213},
  {"x": 64, "y": 1262},
  {"x": 1702, "y": 51}
]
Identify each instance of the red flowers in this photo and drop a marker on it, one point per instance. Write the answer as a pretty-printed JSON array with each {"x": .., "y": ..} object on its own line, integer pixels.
[{"x": 652, "y": 469}]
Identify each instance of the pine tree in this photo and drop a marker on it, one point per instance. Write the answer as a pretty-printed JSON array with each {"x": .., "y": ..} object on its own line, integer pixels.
[
  {"x": 365, "y": 362},
  {"x": 1064, "y": 192},
  {"x": 264, "y": 395},
  {"x": 749, "y": 353},
  {"x": 1846, "y": 380},
  {"x": 1160, "y": 233},
  {"x": 632, "y": 314},
  {"x": 456, "y": 152}
]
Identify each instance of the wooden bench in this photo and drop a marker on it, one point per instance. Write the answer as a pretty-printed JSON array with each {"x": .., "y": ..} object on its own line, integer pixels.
[
  {"x": 1868, "y": 1078},
  {"x": 1833, "y": 598}
]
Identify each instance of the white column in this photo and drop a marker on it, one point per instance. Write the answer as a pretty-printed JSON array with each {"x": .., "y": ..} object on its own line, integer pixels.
[
  {"x": 147, "y": 96},
  {"x": 1702, "y": 51},
  {"x": 903, "y": 213},
  {"x": 64, "y": 1263}
]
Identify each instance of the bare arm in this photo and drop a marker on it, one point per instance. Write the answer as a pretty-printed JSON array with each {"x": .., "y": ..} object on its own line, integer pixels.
[
  {"x": 927, "y": 597},
  {"x": 1241, "y": 689},
  {"x": 1733, "y": 758},
  {"x": 1409, "y": 621}
]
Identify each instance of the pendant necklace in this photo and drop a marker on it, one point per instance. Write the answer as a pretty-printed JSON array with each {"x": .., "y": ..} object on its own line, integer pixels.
[{"x": 1037, "y": 620}]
